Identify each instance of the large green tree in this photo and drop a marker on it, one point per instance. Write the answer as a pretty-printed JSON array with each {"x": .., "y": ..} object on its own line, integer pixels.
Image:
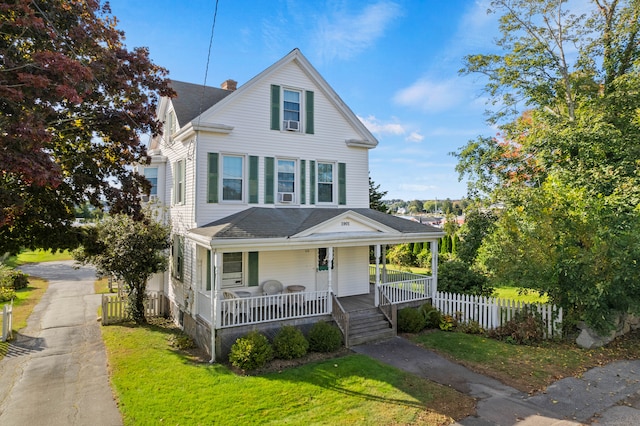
[
  {"x": 565, "y": 164},
  {"x": 74, "y": 101},
  {"x": 130, "y": 250}
]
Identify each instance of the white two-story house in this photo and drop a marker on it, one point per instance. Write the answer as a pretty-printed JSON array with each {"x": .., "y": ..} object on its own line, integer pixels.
[{"x": 266, "y": 187}]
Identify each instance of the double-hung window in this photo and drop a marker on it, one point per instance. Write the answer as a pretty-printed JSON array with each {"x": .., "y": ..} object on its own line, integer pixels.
[
  {"x": 291, "y": 109},
  {"x": 151, "y": 174},
  {"x": 232, "y": 177},
  {"x": 179, "y": 186},
  {"x": 286, "y": 181},
  {"x": 325, "y": 182}
]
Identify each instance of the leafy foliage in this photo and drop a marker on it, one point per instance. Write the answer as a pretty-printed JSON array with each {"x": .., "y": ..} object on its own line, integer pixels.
[
  {"x": 376, "y": 196},
  {"x": 129, "y": 250},
  {"x": 431, "y": 315},
  {"x": 13, "y": 278},
  {"x": 565, "y": 169},
  {"x": 290, "y": 343},
  {"x": 525, "y": 328},
  {"x": 7, "y": 294},
  {"x": 73, "y": 104},
  {"x": 324, "y": 337},
  {"x": 411, "y": 320},
  {"x": 251, "y": 351},
  {"x": 455, "y": 276}
]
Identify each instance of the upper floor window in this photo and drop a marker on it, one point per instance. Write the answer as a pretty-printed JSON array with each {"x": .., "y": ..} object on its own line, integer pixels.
[
  {"x": 286, "y": 181},
  {"x": 232, "y": 177},
  {"x": 292, "y": 109},
  {"x": 179, "y": 175},
  {"x": 151, "y": 174},
  {"x": 325, "y": 182}
]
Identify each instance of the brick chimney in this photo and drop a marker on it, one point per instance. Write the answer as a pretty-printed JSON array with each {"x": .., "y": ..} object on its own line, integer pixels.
[{"x": 229, "y": 85}]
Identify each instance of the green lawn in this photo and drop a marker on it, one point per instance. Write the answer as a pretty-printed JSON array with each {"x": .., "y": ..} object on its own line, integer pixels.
[
  {"x": 528, "y": 368},
  {"x": 155, "y": 384},
  {"x": 37, "y": 256},
  {"x": 515, "y": 293}
]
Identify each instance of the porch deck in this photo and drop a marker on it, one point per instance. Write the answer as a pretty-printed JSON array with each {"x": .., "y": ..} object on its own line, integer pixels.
[{"x": 360, "y": 302}]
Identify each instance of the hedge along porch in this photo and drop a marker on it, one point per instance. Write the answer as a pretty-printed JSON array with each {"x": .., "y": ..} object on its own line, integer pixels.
[{"x": 316, "y": 255}]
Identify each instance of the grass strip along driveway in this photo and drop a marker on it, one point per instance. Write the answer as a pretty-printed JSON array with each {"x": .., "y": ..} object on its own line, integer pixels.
[{"x": 157, "y": 384}]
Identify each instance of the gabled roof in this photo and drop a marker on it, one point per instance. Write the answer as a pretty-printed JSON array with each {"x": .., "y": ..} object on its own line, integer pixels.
[
  {"x": 219, "y": 97},
  {"x": 266, "y": 222},
  {"x": 193, "y": 99}
]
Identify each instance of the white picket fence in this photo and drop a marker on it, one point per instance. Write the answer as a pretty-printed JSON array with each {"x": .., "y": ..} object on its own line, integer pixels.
[
  {"x": 114, "y": 307},
  {"x": 7, "y": 322},
  {"x": 491, "y": 312}
]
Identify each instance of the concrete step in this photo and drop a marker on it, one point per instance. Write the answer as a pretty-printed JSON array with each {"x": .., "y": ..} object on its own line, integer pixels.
[
  {"x": 368, "y": 326},
  {"x": 371, "y": 337},
  {"x": 377, "y": 324}
]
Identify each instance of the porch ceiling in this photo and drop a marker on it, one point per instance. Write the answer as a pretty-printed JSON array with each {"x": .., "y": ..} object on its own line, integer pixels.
[{"x": 278, "y": 229}]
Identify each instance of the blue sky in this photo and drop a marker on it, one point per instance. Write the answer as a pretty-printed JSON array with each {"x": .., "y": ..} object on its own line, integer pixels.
[{"x": 394, "y": 62}]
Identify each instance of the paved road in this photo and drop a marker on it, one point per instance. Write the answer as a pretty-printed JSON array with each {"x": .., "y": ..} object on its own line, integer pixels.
[
  {"x": 55, "y": 372},
  {"x": 608, "y": 395}
]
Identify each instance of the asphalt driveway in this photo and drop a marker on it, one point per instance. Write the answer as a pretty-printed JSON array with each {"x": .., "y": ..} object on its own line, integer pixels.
[{"x": 55, "y": 372}]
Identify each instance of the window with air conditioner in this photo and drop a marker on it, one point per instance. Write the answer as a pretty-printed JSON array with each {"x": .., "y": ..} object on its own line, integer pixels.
[
  {"x": 291, "y": 110},
  {"x": 286, "y": 181}
]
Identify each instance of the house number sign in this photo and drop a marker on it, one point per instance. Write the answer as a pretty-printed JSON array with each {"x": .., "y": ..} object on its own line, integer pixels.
[{"x": 345, "y": 223}]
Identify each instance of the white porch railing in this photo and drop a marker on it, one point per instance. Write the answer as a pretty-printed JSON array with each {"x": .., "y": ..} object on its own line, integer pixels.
[
  {"x": 260, "y": 309},
  {"x": 491, "y": 313},
  {"x": 401, "y": 286}
]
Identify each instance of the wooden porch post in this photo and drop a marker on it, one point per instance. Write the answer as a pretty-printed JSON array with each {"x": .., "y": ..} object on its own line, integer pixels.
[
  {"x": 376, "y": 296},
  {"x": 434, "y": 269},
  {"x": 330, "y": 263},
  {"x": 216, "y": 261}
]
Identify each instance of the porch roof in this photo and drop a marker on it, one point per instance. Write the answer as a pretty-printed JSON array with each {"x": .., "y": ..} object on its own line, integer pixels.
[{"x": 313, "y": 226}]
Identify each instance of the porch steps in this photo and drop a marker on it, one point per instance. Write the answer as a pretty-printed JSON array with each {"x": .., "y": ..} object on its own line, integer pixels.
[{"x": 368, "y": 325}]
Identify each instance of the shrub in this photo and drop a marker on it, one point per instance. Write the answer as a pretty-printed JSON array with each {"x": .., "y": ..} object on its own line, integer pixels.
[
  {"x": 12, "y": 278},
  {"x": 181, "y": 341},
  {"x": 448, "y": 323},
  {"x": 6, "y": 294},
  {"x": 431, "y": 315},
  {"x": 410, "y": 320},
  {"x": 455, "y": 276},
  {"x": 525, "y": 327},
  {"x": 324, "y": 337},
  {"x": 401, "y": 254},
  {"x": 289, "y": 343},
  {"x": 471, "y": 327},
  {"x": 251, "y": 351}
]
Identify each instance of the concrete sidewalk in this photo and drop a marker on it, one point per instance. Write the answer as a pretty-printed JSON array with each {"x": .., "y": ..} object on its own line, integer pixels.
[
  {"x": 610, "y": 394},
  {"x": 55, "y": 372}
]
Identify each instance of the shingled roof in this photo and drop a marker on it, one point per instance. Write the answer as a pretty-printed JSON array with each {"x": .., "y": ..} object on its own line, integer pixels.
[
  {"x": 264, "y": 222},
  {"x": 194, "y": 99}
]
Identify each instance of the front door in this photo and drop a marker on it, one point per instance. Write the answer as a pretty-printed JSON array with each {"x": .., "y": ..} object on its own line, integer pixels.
[{"x": 323, "y": 269}]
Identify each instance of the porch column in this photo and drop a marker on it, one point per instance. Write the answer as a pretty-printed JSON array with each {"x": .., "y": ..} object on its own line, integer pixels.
[
  {"x": 330, "y": 263},
  {"x": 376, "y": 296},
  {"x": 384, "y": 263},
  {"x": 216, "y": 261},
  {"x": 434, "y": 269}
]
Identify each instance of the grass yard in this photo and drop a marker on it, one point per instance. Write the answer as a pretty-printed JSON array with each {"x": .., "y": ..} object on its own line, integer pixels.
[
  {"x": 527, "y": 368},
  {"x": 157, "y": 384},
  {"x": 37, "y": 256},
  {"x": 515, "y": 293},
  {"x": 26, "y": 299}
]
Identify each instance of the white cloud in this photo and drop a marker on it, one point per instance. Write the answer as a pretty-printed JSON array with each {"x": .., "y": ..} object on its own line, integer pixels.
[
  {"x": 431, "y": 96},
  {"x": 415, "y": 137},
  {"x": 342, "y": 35}
]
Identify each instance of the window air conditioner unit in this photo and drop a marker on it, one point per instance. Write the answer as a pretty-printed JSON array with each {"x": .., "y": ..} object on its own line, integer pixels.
[
  {"x": 285, "y": 197},
  {"x": 292, "y": 125}
]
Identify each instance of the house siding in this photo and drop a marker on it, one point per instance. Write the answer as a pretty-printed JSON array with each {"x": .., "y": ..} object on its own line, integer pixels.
[{"x": 255, "y": 137}]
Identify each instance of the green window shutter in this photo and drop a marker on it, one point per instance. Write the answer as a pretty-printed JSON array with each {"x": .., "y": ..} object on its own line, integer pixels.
[
  {"x": 212, "y": 178},
  {"x": 253, "y": 179},
  {"x": 208, "y": 270},
  {"x": 303, "y": 181},
  {"x": 308, "y": 128},
  {"x": 275, "y": 107},
  {"x": 268, "y": 180},
  {"x": 253, "y": 269},
  {"x": 342, "y": 183},
  {"x": 312, "y": 182}
]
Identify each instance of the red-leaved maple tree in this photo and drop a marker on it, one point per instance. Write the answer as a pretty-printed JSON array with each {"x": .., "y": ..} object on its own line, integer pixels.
[{"x": 74, "y": 101}]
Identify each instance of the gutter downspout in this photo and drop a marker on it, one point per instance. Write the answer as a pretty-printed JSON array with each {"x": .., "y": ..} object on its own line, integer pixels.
[{"x": 214, "y": 304}]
